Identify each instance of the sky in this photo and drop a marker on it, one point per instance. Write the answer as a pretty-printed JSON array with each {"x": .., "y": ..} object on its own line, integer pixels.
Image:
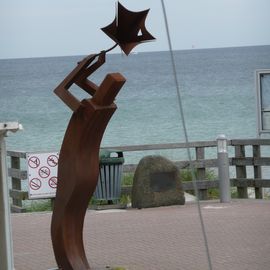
[{"x": 41, "y": 28}]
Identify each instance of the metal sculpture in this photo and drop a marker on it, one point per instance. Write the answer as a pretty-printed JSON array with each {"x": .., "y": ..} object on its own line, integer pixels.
[
  {"x": 128, "y": 28},
  {"x": 78, "y": 166}
]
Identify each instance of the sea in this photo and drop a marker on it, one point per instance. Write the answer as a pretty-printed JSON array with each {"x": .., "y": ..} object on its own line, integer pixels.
[{"x": 217, "y": 91}]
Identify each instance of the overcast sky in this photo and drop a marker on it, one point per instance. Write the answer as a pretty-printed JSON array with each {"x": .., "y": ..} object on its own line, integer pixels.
[{"x": 38, "y": 28}]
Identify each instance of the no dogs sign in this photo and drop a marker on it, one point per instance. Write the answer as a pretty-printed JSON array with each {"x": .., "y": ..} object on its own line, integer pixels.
[{"x": 42, "y": 174}]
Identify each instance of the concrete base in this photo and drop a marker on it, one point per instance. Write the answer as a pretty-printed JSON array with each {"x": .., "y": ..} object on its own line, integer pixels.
[
  {"x": 103, "y": 268},
  {"x": 107, "y": 206}
]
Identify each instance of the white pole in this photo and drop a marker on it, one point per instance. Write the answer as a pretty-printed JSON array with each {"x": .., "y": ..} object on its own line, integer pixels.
[
  {"x": 6, "y": 249},
  {"x": 6, "y": 256},
  {"x": 223, "y": 169}
]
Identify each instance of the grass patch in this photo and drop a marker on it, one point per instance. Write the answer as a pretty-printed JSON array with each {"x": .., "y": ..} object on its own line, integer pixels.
[
  {"x": 127, "y": 179},
  {"x": 212, "y": 193},
  {"x": 39, "y": 206},
  {"x": 125, "y": 199},
  {"x": 186, "y": 175},
  {"x": 234, "y": 193}
]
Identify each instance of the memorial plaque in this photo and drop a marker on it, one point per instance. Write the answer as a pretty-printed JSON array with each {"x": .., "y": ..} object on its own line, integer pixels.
[{"x": 162, "y": 181}]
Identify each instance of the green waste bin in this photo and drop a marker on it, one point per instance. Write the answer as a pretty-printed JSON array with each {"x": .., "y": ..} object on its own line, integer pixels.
[{"x": 110, "y": 175}]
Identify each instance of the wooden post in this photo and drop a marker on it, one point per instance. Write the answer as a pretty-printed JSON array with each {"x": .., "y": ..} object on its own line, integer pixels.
[
  {"x": 257, "y": 171},
  {"x": 241, "y": 171},
  {"x": 17, "y": 175},
  {"x": 16, "y": 182},
  {"x": 201, "y": 173}
]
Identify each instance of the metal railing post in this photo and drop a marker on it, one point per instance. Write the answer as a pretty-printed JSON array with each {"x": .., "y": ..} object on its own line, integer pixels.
[
  {"x": 223, "y": 169},
  {"x": 6, "y": 250}
]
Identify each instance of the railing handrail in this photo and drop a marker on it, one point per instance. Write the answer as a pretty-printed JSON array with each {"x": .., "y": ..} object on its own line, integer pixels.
[
  {"x": 18, "y": 154},
  {"x": 165, "y": 146}
]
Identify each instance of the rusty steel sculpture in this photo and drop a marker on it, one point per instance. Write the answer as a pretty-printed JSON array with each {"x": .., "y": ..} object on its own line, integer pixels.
[{"x": 78, "y": 167}]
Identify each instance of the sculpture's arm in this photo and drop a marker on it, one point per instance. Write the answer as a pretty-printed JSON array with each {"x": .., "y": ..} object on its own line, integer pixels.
[
  {"x": 82, "y": 80},
  {"x": 79, "y": 76}
]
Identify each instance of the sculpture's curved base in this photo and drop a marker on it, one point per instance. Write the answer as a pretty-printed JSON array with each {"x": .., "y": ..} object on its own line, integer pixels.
[{"x": 78, "y": 171}]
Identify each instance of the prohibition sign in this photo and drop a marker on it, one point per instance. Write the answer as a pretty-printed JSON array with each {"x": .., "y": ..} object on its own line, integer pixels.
[
  {"x": 33, "y": 162},
  {"x": 35, "y": 184},
  {"x": 52, "y": 160},
  {"x": 44, "y": 172},
  {"x": 53, "y": 182}
]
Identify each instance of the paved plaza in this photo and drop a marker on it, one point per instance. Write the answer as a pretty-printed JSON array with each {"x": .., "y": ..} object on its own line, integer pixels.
[{"x": 165, "y": 238}]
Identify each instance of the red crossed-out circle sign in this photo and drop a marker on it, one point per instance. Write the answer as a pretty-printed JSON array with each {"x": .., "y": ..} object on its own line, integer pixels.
[
  {"x": 33, "y": 162},
  {"x": 53, "y": 182},
  {"x": 35, "y": 184},
  {"x": 44, "y": 172},
  {"x": 52, "y": 160}
]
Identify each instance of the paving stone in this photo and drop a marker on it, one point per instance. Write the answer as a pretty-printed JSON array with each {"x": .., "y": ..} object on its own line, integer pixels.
[{"x": 163, "y": 238}]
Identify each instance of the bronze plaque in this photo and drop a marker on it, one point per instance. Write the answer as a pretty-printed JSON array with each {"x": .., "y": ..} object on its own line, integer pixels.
[{"x": 162, "y": 181}]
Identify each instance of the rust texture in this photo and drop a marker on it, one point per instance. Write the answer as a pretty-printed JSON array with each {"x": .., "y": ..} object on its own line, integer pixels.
[
  {"x": 78, "y": 166},
  {"x": 79, "y": 159}
]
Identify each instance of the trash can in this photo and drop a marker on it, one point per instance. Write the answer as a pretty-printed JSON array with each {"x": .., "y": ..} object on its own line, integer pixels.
[{"x": 110, "y": 175}]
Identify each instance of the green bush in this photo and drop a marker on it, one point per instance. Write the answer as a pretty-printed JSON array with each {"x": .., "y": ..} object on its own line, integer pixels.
[
  {"x": 127, "y": 179},
  {"x": 186, "y": 175},
  {"x": 39, "y": 206}
]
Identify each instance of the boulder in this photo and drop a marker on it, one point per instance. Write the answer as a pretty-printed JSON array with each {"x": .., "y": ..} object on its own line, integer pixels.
[{"x": 157, "y": 182}]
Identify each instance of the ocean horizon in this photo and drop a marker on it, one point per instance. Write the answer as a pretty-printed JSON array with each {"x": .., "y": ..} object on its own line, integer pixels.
[{"x": 217, "y": 88}]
